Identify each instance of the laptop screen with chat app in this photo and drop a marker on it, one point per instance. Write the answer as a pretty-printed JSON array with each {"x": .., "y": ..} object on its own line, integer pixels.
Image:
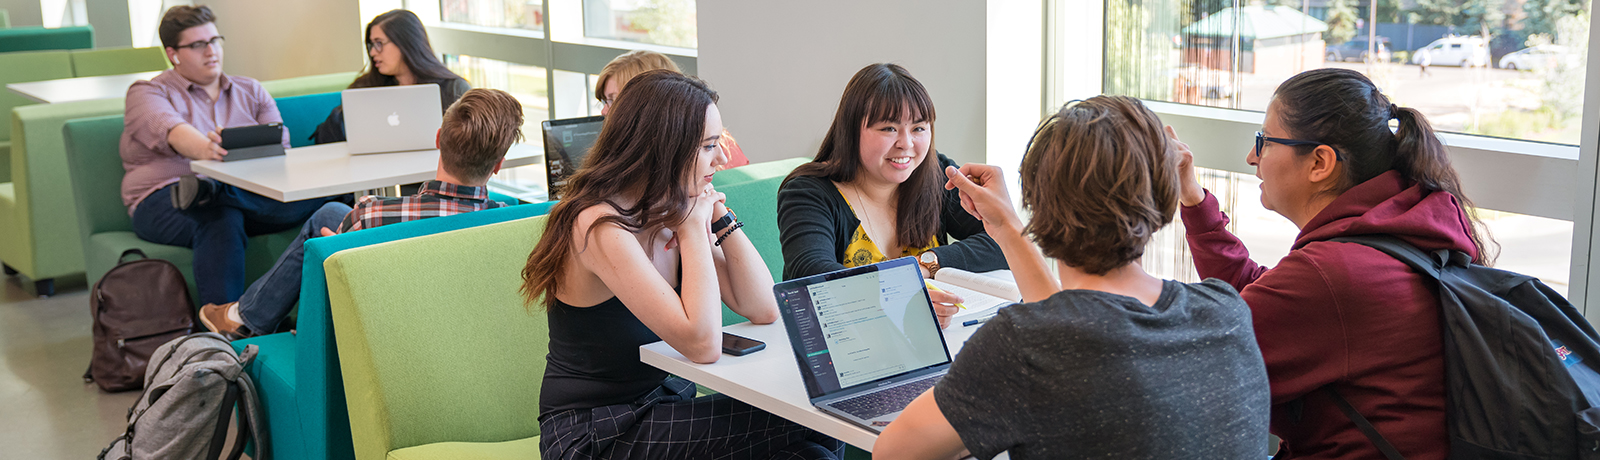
[
  {"x": 566, "y": 143},
  {"x": 861, "y": 325}
]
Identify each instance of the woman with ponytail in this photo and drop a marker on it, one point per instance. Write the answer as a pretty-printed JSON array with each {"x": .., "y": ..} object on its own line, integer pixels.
[{"x": 1336, "y": 314}]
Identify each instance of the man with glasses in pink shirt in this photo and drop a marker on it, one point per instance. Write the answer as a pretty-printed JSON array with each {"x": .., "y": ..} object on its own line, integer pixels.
[{"x": 175, "y": 118}]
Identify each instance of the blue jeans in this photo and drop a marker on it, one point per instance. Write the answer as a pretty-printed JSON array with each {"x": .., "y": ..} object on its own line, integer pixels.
[
  {"x": 269, "y": 299},
  {"x": 217, "y": 233}
]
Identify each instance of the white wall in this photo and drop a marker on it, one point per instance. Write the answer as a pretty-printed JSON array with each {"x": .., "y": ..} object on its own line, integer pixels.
[
  {"x": 781, "y": 67},
  {"x": 23, "y": 12},
  {"x": 289, "y": 38}
]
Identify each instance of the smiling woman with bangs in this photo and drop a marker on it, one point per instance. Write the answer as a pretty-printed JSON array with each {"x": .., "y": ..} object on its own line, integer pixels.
[{"x": 871, "y": 195}]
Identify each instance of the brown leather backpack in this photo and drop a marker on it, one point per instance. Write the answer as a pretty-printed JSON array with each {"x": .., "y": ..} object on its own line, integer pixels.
[{"x": 137, "y": 307}]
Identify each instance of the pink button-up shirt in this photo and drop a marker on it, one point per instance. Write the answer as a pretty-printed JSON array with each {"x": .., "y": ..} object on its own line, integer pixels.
[{"x": 156, "y": 106}]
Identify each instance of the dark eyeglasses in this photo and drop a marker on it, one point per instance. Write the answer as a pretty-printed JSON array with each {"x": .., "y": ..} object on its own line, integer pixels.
[
  {"x": 1262, "y": 140},
  {"x": 202, "y": 44},
  {"x": 377, "y": 45}
]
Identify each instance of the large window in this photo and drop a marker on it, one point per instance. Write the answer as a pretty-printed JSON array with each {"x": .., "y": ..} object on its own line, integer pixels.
[
  {"x": 1512, "y": 69},
  {"x": 1505, "y": 84},
  {"x": 547, "y": 52},
  {"x": 514, "y": 14},
  {"x": 661, "y": 22}
]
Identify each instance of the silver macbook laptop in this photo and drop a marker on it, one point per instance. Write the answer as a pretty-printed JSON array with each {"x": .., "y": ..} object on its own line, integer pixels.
[
  {"x": 865, "y": 338},
  {"x": 392, "y": 118}
]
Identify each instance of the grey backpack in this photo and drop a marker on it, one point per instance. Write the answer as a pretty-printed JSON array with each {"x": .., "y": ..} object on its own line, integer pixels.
[{"x": 192, "y": 386}]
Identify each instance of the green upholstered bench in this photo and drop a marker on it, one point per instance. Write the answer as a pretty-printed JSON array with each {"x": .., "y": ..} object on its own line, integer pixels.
[
  {"x": 104, "y": 229},
  {"x": 117, "y": 61},
  {"x": 441, "y": 358},
  {"x": 35, "y": 38},
  {"x": 298, "y": 375},
  {"x": 754, "y": 171},
  {"x": 300, "y": 86},
  {"x": 302, "y": 114},
  {"x": 20, "y": 67},
  {"x": 38, "y": 217}
]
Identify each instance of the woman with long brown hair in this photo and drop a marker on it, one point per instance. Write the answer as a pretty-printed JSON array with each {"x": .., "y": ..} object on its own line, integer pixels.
[
  {"x": 641, "y": 249},
  {"x": 1341, "y": 315},
  {"x": 872, "y": 194},
  {"x": 398, "y": 53}
]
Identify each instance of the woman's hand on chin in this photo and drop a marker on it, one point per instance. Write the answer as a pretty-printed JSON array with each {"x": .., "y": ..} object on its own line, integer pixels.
[{"x": 701, "y": 209}]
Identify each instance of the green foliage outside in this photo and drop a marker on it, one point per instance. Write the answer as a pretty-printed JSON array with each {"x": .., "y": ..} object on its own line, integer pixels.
[
  {"x": 669, "y": 22},
  {"x": 1139, "y": 53},
  {"x": 1342, "y": 16}
]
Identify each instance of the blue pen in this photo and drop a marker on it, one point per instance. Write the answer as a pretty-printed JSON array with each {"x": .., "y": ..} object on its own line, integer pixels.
[{"x": 975, "y": 322}]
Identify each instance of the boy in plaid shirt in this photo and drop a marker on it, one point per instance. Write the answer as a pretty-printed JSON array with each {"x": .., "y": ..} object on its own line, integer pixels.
[{"x": 473, "y": 139}]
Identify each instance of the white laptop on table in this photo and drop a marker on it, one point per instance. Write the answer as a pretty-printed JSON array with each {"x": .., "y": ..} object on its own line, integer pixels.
[
  {"x": 392, "y": 118},
  {"x": 866, "y": 339}
]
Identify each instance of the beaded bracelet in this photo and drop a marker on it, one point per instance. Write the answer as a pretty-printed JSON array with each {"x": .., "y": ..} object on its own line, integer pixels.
[{"x": 736, "y": 225}]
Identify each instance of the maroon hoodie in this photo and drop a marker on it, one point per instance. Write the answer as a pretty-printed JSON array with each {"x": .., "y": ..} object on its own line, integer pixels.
[{"x": 1346, "y": 315}]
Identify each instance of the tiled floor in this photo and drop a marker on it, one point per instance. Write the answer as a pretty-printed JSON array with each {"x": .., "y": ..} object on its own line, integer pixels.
[{"x": 46, "y": 411}]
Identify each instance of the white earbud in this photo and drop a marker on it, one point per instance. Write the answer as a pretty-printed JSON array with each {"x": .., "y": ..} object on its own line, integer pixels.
[{"x": 174, "y": 60}]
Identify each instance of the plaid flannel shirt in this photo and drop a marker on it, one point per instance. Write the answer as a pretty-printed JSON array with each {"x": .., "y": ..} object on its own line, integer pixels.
[{"x": 433, "y": 199}]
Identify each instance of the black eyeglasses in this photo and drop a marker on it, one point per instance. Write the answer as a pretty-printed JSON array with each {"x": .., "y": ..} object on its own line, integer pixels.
[
  {"x": 1262, "y": 140},
  {"x": 377, "y": 45},
  {"x": 202, "y": 44}
]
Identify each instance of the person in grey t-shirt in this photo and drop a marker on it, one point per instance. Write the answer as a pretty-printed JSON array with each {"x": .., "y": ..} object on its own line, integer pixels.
[{"x": 1105, "y": 361}]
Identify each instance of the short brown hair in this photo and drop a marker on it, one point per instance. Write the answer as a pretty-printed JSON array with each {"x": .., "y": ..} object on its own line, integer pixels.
[
  {"x": 477, "y": 131},
  {"x": 180, "y": 18},
  {"x": 1100, "y": 178},
  {"x": 629, "y": 65}
]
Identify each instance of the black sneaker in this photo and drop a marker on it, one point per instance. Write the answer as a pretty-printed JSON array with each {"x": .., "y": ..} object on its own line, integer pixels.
[{"x": 192, "y": 191}]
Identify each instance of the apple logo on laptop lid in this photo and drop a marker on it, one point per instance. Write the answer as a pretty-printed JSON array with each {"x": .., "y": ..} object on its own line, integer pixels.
[{"x": 394, "y": 119}]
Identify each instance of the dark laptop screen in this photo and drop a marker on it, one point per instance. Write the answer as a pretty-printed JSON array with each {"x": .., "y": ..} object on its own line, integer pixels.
[
  {"x": 566, "y": 143},
  {"x": 860, "y": 325}
]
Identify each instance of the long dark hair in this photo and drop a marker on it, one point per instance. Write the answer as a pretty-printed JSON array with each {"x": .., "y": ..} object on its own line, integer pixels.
[
  {"x": 647, "y": 148},
  {"x": 1344, "y": 109},
  {"x": 405, "y": 31},
  {"x": 880, "y": 92}
]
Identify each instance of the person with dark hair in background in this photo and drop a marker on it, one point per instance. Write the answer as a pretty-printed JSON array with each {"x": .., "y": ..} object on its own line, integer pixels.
[
  {"x": 473, "y": 139},
  {"x": 1339, "y": 314},
  {"x": 874, "y": 193},
  {"x": 398, "y": 54},
  {"x": 1104, "y": 360},
  {"x": 176, "y": 118},
  {"x": 640, "y": 250}
]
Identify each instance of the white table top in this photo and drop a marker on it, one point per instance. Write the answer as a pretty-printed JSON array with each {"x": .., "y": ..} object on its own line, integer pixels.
[
  {"x": 79, "y": 89},
  {"x": 329, "y": 169},
  {"x": 769, "y": 379}
]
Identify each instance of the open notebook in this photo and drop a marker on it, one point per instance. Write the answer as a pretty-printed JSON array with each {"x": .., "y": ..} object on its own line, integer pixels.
[{"x": 983, "y": 292}]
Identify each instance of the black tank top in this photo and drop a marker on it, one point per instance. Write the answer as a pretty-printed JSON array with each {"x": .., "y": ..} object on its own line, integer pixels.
[{"x": 594, "y": 358}]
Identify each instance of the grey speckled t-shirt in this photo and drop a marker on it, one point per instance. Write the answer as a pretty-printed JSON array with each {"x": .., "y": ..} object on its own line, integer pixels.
[{"x": 1088, "y": 374}]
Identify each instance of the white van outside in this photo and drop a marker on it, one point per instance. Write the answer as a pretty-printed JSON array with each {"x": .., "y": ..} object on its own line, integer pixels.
[{"x": 1456, "y": 50}]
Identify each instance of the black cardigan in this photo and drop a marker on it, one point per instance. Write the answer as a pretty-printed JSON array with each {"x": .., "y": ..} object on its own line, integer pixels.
[{"x": 815, "y": 225}]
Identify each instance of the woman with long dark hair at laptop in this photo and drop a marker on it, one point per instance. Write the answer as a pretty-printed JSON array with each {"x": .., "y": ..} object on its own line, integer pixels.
[
  {"x": 1104, "y": 360},
  {"x": 874, "y": 191},
  {"x": 641, "y": 249},
  {"x": 398, "y": 54}
]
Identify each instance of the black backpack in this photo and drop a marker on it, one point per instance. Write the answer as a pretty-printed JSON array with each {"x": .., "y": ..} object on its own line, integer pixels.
[
  {"x": 136, "y": 307},
  {"x": 1519, "y": 362}
]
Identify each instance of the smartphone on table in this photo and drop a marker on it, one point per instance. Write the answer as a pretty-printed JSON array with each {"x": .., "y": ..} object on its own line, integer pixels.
[{"x": 740, "y": 346}]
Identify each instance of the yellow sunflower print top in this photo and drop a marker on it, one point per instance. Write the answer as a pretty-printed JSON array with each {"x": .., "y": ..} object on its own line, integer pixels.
[{"x": 862, "y": 251}]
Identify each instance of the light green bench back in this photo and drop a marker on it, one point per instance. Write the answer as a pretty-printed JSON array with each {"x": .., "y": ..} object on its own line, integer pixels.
[
  {"x": 26, "y": 66},
  {"x": 117, "y": 61},
  {"x": 434, "y": 340}
]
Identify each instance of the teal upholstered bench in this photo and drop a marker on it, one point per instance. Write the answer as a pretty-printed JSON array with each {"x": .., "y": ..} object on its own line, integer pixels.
[{"x": 298, "y": 374}]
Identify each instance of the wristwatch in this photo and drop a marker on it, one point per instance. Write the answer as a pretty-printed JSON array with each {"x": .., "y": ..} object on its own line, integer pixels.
[
  {"x": 727, "y": 219},
  {"x": 929, "y": 261}
]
